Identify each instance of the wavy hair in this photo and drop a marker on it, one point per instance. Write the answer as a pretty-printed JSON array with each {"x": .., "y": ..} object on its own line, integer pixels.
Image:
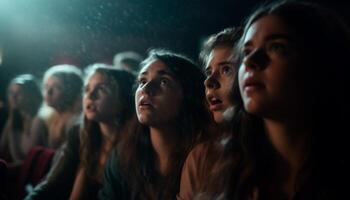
[
  {"x": 136, "y": 151},
  {"x": 245, "y": 162},
  {"x": 91, "y": 137}
]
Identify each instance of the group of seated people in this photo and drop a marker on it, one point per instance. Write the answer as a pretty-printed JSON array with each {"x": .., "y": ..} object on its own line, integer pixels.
[{"x": 262, "y": 116}]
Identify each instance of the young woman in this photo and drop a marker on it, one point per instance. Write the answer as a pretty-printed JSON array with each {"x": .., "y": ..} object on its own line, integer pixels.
[
  {"x": 23, "y": 127},
  {"x": 287, "y": 147},
  {"x": 172, "y": 117},
  {"x": 62, "y": 93},
  {"x": 108, "y": 108},
  {"x": 220, "y": 64}
]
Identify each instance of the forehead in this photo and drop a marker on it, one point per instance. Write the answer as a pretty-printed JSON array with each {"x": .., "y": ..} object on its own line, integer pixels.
[
  {"x": 96, "y": 77},
  {"x": 154, "y": 67},
  {"x": 53, "y": 80},
  {"x": 219, "y": 54},
  {"x": 266, "y": 26},
  {"x": 15, "y": 87}
]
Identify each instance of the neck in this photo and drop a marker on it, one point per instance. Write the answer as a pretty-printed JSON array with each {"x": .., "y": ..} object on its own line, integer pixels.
[
  {"x": 26, "y": 115},
  {"x": 162, "y": 140},
  {"x": 290, "y": 140},
  {"x": 109, "y": 132},
  {"x": 63, "y": 113}
]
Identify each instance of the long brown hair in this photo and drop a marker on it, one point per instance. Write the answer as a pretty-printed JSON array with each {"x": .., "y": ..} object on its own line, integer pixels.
[
  {"x": 136, "y": 152},
  {"x": 246, "y": 160},
  {"x": 91, "y": 137}
]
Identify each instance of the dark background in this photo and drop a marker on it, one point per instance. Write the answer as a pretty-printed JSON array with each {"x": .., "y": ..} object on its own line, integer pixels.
[{"x": 36, "y": 34}]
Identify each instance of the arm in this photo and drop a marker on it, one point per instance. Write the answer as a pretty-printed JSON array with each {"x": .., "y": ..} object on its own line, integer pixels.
[{"x": 37, "y": 132}]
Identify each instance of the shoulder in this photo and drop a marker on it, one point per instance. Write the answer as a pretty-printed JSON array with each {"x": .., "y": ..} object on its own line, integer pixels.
[
  {"x": 38, "y": 122},
  {"x": 191, "y": 176},
  {"x": 198, "y": 152}
]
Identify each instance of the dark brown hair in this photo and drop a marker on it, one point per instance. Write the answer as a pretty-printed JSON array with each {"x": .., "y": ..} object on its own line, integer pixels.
[
  {"x": 91, "y": 137},
  {"x": 136, "y": 152},
  {"x": 225, "y": 38},
  {"x": 322, "y": 39}
]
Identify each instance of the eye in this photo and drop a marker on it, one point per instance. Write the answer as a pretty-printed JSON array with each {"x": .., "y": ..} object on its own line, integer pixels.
[
  {"x": 141, "y": 81},
  {"x": 207, "y": 72},
  {"x": 164, "y": 81},
  {"x": 277, "y": 47},
  {"x": 104, "y": 90},
  {"x": 246, "y": 52},
  {"x": 226, "y": 69}
]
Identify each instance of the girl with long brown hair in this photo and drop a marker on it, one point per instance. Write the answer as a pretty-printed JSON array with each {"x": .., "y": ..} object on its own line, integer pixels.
[
  {"x": 289, "y": 139},
  {"x": 108, "y": 108},
  {"x": 172, "y": 117}
]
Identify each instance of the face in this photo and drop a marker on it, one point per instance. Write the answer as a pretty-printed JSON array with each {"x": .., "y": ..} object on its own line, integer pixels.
[
  {"x": 54, "y": 92},
  {"x": 101, "y": 102},
  {"x": 218, "y": 84},
  {"x": 266, "y": 75},
  {"x": 158, "y": 96},
  {"x": 16, "y": 96}
]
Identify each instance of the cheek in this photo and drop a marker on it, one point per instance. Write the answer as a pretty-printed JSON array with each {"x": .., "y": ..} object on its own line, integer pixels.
[
  {"x": 172, "y": 104},
  {"x": 227, "y": 84},
  {"x": 240, "y": 79},
  {"x": 137, "y": 97},
  {"x": 107, "y": 104},
  {"x": 280, "y": 82}
]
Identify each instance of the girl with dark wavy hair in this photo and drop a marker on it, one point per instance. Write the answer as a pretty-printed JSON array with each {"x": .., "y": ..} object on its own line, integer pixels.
[
  {"x": 172, "y": 117},
  {"x": 108, "y": 108},
  {"x": 289, "y": 140}
]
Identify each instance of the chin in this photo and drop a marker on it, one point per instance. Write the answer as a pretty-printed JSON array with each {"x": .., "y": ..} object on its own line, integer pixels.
[
  {"x": 142, "y": 119},
  {"x": 219, "y": 118},
  {"x": 254, "y": 109}
]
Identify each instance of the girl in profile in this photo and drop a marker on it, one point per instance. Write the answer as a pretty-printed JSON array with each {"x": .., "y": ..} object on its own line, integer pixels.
[
  {"x": 108, "y": 108},
  {"x": 289, "y": 140}
]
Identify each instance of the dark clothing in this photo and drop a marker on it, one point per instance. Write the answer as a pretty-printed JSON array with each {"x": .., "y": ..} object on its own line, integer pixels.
[{"x": 114, "y": 187}]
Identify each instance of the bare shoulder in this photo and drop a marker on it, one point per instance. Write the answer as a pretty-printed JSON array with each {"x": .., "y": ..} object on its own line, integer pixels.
[{"x": 38, "y": 123}]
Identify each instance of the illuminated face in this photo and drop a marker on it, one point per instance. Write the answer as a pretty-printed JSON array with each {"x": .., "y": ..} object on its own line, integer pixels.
[
  {"x": 158, "y": 96},
  {"x": 220, "y": 72},
  {"x": 101, "y": 99},
  {"x": 54, "y": 94},
  {"x": 267, "y": 74}
]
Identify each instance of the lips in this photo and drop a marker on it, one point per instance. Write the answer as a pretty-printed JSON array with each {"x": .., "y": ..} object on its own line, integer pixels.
[
  {"x": 251, "y": 84},
  {"x": 215, "y": 103},
  {"x": 90, "y": 108},
  {"x": 145, "y": 103}
]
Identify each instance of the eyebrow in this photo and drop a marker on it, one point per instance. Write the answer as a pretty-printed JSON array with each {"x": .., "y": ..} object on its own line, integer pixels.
[
  {"x": 226, "y": 62},
  {"x": 159, "y": 72},
  {"x": 271, "y": 37},
  {"x": 221, "y": 63},
  {"x": 165, "y": 72}
]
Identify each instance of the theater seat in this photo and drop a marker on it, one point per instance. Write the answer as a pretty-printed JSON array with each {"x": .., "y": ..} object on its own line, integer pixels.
[{"x": 34, "y": 168}]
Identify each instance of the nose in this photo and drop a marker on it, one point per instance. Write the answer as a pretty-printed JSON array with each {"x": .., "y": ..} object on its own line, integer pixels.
[
  {"x": 12, "y": 95},
  {"x": 49, "y": 91},
  {"x": 92, "y": 94},
  {"x": 211, "y": 82},
  {"x": 256, "y": 60},
  {"x": 150, "y": 88}
]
